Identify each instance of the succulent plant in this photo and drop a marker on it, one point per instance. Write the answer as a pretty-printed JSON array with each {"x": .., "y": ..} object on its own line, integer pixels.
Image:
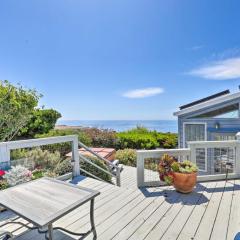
[
  {"x": 168, "y": 165},
  {"x": 164, "y": 168}
]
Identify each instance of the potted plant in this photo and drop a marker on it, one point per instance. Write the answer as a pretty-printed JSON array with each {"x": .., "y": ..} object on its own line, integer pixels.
[{"x": 182, "y": 175}]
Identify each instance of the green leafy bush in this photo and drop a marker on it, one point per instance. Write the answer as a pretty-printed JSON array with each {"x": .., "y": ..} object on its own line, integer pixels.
[
  {"x": 139, "y": 138},
  {"x": 3, "y": 184},
  {"x": 18, "y": 153},
  {"x": 37, "y": 173},
  {"x": 44, "y": 159},
  {"x": 167, "y": 140},
  {"x": 16, "y": 107},
  {"x": 127, "y": 157},
  {"x": 93, "y": 170},
  {"x": 63, "y": 167},
  {"x": 142, "y": 138},
  {"x": 41, "y": 122},
  {"x": 64, "y": 148}
]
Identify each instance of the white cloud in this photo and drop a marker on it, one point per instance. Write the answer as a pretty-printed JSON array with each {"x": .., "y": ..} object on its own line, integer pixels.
[
  {"x": 142, "y": 93},
  {"x": 197, "y": 47},
  {"x": 219, "y": 70}
]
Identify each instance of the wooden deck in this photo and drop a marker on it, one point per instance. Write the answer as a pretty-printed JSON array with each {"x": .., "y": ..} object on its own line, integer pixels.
[{"x": 212, "y": 211}]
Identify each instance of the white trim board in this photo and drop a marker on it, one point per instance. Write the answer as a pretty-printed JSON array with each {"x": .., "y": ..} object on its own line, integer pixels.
[{"x": 209, "y": 103}]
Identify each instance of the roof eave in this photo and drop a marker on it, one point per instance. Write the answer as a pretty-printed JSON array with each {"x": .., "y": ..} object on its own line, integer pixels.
[{"x": 209, "y": 103}]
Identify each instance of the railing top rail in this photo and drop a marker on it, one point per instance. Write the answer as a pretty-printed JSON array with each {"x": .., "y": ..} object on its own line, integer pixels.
[
  {"x": 38, "y": 142},
  {"x": 164, "y": 150},
  {"x": 95, "y": 165},
  {"x": 213, "y": 142},
  {"x": 159, "y": 152}
]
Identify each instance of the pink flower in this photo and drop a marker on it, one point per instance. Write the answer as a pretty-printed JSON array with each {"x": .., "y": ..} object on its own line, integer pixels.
[
  {"x": 2, "y": 172},
  {"x": 28, "y": 174}
]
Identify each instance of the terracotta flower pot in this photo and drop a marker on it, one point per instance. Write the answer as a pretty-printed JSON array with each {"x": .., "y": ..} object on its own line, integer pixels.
[{"x": 184, "y": 182}]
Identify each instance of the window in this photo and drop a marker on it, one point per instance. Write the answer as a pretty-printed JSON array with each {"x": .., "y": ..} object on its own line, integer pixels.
[{"x": 194, "y": 132}]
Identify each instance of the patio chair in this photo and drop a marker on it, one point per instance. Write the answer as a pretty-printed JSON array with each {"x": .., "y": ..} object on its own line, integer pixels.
[{"x": 116, "y": 164}]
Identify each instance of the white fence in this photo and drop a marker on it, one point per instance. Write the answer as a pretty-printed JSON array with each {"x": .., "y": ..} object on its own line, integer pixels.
[
  {"x": 6, "y": 147},
  {"x": 214, "y": 159}
]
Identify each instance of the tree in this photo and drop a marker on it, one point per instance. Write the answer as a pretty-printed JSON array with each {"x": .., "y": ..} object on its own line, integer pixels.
[
  {"x": 16, "y": 107},
  {"x": 41, "y": 122}
]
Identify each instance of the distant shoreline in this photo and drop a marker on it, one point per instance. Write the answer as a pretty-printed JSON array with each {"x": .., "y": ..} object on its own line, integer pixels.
[{"x": 119, "y": 125}]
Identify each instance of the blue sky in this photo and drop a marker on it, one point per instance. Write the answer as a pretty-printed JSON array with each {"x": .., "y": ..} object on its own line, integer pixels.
[{"x": 124, "y": 59}]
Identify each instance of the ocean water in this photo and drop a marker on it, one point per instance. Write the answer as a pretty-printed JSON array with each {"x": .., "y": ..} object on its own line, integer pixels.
[{"x": 122, "y": 125}]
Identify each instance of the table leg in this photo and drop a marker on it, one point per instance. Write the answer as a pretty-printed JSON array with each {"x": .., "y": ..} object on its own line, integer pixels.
[
  {"x": 92, "y": 219},
  {"x": 50, "y": 232}
]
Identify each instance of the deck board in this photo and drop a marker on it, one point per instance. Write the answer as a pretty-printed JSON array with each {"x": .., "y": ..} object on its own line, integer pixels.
[{"x": 211, "y": 212}]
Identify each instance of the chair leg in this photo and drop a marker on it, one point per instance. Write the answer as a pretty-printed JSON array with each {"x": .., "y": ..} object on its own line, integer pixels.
[{"x": 8, "y": 236}]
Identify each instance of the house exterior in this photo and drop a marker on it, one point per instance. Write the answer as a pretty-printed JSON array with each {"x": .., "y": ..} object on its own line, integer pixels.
[{"x": 214, "y": 118}]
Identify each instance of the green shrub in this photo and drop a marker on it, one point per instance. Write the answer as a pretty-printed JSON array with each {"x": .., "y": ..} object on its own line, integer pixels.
[
  {"x": 3, "y": 184},
  {"x": 18, "y": 154},
  {"x": 127, "y": 157},
  {"x": 167, "y": 140},
  {"x": 37, "y": 173},
  {"x": 101, "y": 137},
  {"x": 50, "y": 174},
  {"x": 93, "y": 170},
  {"x": 142, "y": 138},
  {"x": 64, "y": 148},
  {"x": 44, "y": 159},
  {"x": 42, "y": 121},
  {"x": 63, "y": 167}
]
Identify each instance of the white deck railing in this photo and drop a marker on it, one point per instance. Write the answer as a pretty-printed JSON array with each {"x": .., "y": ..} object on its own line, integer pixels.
[
  {"x": 200, "y": 153},
  {"x": 6, "y": 147}
]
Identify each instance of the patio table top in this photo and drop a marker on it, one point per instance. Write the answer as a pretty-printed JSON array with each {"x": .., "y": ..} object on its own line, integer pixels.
[{"x": 45, "y": 200}]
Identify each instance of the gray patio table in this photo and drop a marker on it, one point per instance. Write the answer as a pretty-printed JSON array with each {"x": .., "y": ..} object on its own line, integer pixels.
[{"x": 44, "y": 201}]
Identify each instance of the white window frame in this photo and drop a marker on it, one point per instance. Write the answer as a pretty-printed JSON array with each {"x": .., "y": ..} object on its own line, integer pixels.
[{"x": 194, "y": 123}]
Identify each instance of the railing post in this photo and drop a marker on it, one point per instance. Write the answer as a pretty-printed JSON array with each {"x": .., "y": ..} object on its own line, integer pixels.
[
  {"x": 192, "y": 152},
  {"x": 4, "y": 155},
  {"x": 118, "y": 177},
  {"x": 140, "y": 169},
  {"x": 237, "y": 154},
  {"x": 75, "y": 157}
]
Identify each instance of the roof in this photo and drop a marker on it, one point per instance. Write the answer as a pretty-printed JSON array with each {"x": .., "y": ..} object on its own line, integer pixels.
[
  {"x": 208, "y": 103},
  {"x": 107, "y": 153},
  {"x": 204, "y": 99}
]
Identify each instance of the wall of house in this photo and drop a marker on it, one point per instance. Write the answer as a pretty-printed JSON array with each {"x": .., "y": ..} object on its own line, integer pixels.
[
  {"x": 225, "y": 126},
  {"x": 231, "y": 125}
]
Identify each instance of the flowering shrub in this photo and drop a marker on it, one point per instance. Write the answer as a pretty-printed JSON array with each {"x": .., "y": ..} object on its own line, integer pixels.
[
  {"x": 2, "y": 173},
  {"x": 17, "y": 175},
  {"x": 101, "y": 137}
]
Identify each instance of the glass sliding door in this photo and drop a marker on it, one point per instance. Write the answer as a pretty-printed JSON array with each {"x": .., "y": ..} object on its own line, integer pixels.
[{"x": 197, "y": 132}]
